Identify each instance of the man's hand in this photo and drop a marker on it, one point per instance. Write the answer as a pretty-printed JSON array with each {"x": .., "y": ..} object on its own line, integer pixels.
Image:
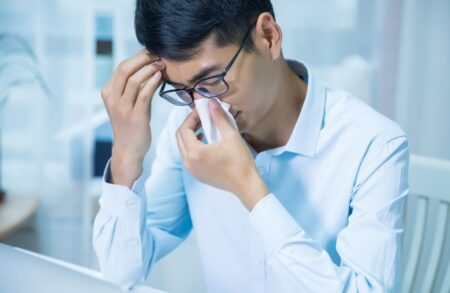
[
  {"x": 127, "y": 97},
  {"x": 228, "y": 164}
]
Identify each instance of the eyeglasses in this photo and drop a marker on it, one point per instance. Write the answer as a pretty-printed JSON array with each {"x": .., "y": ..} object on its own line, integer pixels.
[{"x": 209, "y": 87}]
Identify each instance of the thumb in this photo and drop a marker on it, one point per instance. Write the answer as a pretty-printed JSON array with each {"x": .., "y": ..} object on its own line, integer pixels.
[{"x": 219, "y": 117}]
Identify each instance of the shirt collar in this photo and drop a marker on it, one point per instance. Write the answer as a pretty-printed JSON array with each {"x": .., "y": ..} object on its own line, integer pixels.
[{"x": 305, "y": 134}]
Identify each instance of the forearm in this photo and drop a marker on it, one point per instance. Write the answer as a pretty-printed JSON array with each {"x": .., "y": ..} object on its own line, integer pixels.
[
  {"x": 125, "y": 171},
  {"x": 252, "y": 191},
  {"x": 117, "y": 237},
  {"x": 302, "y": 264}
]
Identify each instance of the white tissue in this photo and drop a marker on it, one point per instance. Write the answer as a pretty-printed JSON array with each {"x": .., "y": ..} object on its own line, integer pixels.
[{"x": 210, "y": 130}]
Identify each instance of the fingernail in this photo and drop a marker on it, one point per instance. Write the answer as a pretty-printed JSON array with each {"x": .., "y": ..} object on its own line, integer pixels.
[
  {"x": 214, "y": 104},
  {"x": 157, "y": 75}
]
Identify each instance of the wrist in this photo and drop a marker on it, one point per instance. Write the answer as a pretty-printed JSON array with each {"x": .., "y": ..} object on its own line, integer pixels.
[
  {"x": 253, "y": 191},
  {"x": 126, "y": 157},
  {"x": 125, "y": 171}
]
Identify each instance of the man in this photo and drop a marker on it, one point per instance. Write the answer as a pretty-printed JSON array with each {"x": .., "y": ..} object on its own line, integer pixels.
[{"x": 306, "y": 197}]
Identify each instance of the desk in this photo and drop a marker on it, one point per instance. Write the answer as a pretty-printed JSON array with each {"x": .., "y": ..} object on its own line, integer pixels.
[
  {"x": 15, "y": 211},
  {"x": 86, "y": 271}
]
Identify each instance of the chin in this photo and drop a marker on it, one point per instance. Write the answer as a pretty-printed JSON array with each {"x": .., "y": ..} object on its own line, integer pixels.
[
  {"x": 242, "y": 125},
  {"x": 240, "y": 128}
]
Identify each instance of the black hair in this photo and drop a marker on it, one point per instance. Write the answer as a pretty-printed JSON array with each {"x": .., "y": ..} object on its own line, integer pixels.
[{"x": 174, "y": 29}]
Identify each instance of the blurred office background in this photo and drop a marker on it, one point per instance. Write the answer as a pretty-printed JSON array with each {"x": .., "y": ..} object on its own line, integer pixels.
[{"x": 55, "y": 55}]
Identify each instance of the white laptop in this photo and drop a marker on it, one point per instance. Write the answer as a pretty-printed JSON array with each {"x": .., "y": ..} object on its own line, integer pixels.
[{"x": 26, "y": 272}]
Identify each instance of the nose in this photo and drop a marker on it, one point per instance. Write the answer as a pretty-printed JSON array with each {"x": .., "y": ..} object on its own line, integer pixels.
[{"x": 195, "y": 95}]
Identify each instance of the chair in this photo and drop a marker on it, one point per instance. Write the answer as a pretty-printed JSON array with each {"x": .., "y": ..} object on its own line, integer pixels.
[{"x": 426, "y": 227}]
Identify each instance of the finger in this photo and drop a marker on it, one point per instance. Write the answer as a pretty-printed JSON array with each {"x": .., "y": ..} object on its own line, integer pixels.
[
  {"x": 136, "y": 81},
  {"x": 181, "y": 145},
  {"x": 187, "y": 131},
  {"x": 199, "y": 123},
  {"x": 107, "y": 88},
  {"x": 190, "y": 140},
  {"x": 220, "y": 118},
  {"x": 146, "y": 94},
  {"x": 198, "y": 126},
  {"x": 192, "y": 121},
  {"x": 127, "y": 68}
]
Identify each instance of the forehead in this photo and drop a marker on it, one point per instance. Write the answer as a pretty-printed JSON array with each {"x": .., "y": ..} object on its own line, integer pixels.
[{"x": 208, "y": 55}]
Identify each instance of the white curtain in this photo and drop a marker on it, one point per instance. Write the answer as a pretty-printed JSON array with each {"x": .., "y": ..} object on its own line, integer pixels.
[
  {"x": 423, "y": 97},
  {"x": 393, "y": 54}
]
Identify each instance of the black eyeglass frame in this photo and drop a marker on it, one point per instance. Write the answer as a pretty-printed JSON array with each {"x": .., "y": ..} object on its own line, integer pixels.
[{"x": 165, "y": 94}]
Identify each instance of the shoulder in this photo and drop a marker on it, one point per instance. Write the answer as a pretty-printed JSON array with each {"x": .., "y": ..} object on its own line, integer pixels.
[{"x": 350, "y": 115}]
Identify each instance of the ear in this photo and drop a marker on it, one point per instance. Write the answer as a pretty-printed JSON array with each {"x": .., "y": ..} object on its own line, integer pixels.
[{"x": 268, "y": 35}]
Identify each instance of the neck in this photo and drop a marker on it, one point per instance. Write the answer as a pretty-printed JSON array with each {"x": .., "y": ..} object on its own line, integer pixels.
[{"x": 277, "y": 125}]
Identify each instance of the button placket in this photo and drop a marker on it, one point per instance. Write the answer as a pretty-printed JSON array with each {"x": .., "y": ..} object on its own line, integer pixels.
[
  {"x": 261, "y": 171},
  {"x": 132, "y": 242},
  {"x": 257, "y": 266},
  {"x": 262, "y": 162},
  {"x": 256, "y": 262},
  {"x": 131, "y": 202}
]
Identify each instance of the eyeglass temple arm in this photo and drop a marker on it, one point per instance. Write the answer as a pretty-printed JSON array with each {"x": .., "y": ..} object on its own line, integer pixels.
[
  {"x": 162, "y": 87},
  {"x": 240, "y": 48}
]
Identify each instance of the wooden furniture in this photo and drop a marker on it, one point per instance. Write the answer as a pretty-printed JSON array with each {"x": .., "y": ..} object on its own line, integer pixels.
[
  {"x": 15, "y": 211},
  {"x": 427, "y": 216}
]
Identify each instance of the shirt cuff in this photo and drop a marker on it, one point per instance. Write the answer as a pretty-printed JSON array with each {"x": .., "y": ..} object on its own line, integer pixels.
[
  {"x": 116, "y": 198},
  {"x": 272, "y": 222}
]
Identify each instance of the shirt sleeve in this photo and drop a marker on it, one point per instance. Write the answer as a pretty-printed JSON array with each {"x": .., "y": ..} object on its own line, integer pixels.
[
  {"x": 136, "y": 227},
  {"x": 369, "y": 246}
]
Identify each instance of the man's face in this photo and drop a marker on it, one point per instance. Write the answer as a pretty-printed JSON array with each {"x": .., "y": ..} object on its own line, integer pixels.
[{"x": 252, "y": 85}]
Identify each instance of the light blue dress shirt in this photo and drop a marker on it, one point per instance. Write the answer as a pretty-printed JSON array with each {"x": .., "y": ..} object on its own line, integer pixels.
[{"x": 332, "y": 222}]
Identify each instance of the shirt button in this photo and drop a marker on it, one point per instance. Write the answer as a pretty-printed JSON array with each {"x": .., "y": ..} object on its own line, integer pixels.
[
  {"x": 256, "y": 262},
  {"x": 132, "y": 242},
  {"x": 131, "y": 202},
  {"x": 261, "y": 170}
]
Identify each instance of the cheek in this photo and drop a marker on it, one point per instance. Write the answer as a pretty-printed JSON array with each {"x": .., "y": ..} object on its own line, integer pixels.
[
  {"x": 253, "y": 94},
  {"x": 259, "y": 97},
  {"x": 254, "y": 107},
  {"x": 250, "y": 91}
]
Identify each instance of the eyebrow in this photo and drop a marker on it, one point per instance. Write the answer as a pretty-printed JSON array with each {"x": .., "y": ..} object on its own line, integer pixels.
[{"x": 204, "y": 73}]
